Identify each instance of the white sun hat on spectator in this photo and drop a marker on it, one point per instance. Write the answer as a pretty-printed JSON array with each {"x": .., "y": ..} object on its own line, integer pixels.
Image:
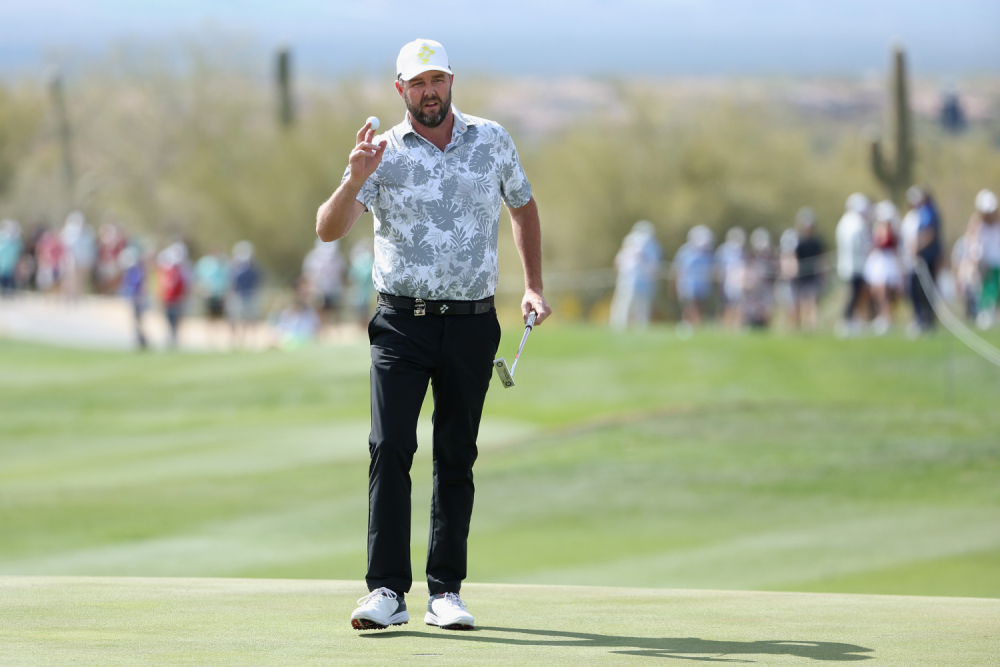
[
  {"x": 986, "y": 202},
  {"x": 886, "y": 211},
  {"x": 858, "y": 203},
  {"x": 419, "y": 56}
]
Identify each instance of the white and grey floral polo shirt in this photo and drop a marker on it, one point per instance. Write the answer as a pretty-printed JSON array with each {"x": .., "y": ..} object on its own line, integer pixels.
[{"x": 437, "y": 214}]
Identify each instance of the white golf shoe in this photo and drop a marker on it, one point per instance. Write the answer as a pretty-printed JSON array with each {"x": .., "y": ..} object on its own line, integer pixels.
[
  {"x": 378, "y": 610},
  {"x": 446, "y": 610}
]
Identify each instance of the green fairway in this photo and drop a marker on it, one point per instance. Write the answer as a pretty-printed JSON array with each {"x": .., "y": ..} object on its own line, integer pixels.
[
  {"x": 123, "y": 621},
  {"x": 723, "y": 462}
]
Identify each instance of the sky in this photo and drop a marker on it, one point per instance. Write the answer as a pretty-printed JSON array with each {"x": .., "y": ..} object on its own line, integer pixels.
[{"x": 540, "y": 37}]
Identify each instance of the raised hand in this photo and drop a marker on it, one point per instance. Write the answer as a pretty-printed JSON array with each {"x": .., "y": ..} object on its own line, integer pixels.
[{"x": 366, "y": 156}]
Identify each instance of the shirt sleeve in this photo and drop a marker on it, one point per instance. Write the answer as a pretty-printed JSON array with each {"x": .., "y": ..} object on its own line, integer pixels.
[
  {"x": 514, "y": 186},
  {"x": 369, "y": 191}
]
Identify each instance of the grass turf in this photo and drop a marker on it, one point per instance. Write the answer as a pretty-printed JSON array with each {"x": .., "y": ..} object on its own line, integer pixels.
[
  {"x": 127, "y": 621},
  {"x": 740, "y": 462}
]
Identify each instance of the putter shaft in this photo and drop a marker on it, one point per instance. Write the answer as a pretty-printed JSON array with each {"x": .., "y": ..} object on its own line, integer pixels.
[
  {"x": 529, "y": 325},
  {"x": 507, "y": 375}
]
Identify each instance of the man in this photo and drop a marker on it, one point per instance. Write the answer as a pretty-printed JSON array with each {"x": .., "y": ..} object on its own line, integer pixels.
[
  {"x": 922, "y": 233},
  {"x": 638, "y": 263},
  {"x": 730, "y": 265},
  {"x": 809, "y": 270},
  {"x": 853, "y": 244},
  {"x": 435, "y": 184},
  {"x": 323, "y": 270},
  {"x": 985, "y": 226},
  {"x": 693, "y": 269}
]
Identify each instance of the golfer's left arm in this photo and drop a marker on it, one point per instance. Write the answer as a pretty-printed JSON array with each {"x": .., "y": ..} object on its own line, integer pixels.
[{"x": 528, "y": 239}]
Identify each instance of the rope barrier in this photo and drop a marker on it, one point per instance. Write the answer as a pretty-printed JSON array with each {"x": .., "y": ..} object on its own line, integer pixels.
[{"x": 951, "y": 322}]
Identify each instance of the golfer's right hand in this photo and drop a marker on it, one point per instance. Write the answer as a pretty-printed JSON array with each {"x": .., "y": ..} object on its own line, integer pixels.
[{"x": 366, "y": 156}]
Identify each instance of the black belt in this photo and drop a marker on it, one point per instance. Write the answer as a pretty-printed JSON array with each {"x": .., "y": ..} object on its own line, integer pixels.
[{"x": 445, "y": 308}]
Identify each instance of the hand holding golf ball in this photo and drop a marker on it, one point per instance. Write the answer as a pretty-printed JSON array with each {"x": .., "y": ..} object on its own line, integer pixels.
[{"x": 366, "y": 156}]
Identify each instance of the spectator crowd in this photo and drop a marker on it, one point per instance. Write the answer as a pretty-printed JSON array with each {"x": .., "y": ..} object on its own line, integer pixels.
[
  {"x": 880, "y": 255},
  {"x": 72, "y": 260}
]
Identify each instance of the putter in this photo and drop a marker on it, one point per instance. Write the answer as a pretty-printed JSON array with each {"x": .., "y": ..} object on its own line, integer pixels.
[{"x": 505, "y": 374}]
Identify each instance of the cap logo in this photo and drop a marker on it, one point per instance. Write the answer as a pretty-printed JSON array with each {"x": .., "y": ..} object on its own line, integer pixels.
[{"x": 424, "y": 54}]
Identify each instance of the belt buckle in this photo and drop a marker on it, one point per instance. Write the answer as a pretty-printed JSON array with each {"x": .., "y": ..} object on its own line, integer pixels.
[{"x": 419, "y": 307}]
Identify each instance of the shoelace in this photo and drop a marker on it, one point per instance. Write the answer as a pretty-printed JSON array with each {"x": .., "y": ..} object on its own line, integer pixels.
[
  {"x": 453, "y": 597},
  {"x": 377, "y": 593}
]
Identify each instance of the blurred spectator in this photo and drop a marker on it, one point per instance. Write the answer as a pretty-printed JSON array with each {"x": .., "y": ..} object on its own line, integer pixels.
[
  {"x": 984, "y": 250},
  {"x": 882, "y": 270},
  {"x": 928, "y": 251},
  {"x": 174, "y": 282},
  {"x": 693, "y": 268},
  {"x": 362, "y": 263},
  {"x": 952, "y": 113},
  {"x": 80, "y": 254},
  {"x": 853, "y": 244},
  {"x": 323, "y": 275},
  {"x": 909, "y": 230},
  {"x": 758, "y": 286},
  {"x": 111, "y": 242},
  {"x": 638, "y": 263},
  {"x": 11, "y": 247},
  {"x": 808, "y": 269},
  {"x": 298, "y": 324},
  {"x": 211, "y": 278},
  {"x": 27, "y": 268},
  {"x": 730, "y": 263},
  {"x": 965, "y": 270},
  {"x": 245, "y": 285},
  {"x": 132, "y": 286},
  {"x": 787, "y": 268},
  {"x": 49, "y": 255}
]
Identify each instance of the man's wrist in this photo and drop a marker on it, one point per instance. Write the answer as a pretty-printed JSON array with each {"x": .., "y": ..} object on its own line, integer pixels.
[{"x": 353, "y": 186}]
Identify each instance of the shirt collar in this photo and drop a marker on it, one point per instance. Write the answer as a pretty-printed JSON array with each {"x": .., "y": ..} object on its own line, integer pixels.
[{"x": 462, "y": 123}]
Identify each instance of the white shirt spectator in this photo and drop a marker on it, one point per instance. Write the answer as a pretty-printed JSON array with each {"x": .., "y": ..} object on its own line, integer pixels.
[
  {"x": 908, "y": 231},
  {"x": 853, "y": 245}
]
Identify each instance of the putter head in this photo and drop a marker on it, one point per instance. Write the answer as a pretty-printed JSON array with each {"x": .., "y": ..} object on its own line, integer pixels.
[{"x": 506, "y": 379}]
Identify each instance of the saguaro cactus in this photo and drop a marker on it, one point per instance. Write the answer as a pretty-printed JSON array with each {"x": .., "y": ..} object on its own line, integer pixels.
[
  {"x": 897, "y": 176},
  {"x": 286, "y": 113},
  {"x": 58, "y": 99}
]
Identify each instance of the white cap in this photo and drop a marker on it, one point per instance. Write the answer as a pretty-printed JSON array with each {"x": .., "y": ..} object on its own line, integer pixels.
[
  {"x": 986, "y": 202},
  {"x": 885, "y": 211},
  {"x": 243, "y": 251},
  {"x": 736, "y": 235},
  {"x": 760, "y": 239},
  {"x": 858, "y": 203},
  {"x": 419, "y": 56},
  {"x": 701, "y": 237},
  {"x": 805, "y": 217},
  {"x": 644, "y": 227}
]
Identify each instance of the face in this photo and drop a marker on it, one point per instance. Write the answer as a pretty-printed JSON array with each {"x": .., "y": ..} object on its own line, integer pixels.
[{"x": 427, "y": 97}]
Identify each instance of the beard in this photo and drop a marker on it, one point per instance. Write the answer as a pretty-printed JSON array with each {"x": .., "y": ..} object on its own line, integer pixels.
[{"x": 430, "y": 119}]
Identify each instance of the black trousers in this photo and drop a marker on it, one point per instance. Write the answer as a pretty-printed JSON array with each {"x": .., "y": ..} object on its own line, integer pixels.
[
  {"x": 923, "y": 313},
  {"x": 455, "y": 354},
  {"x": 857, "y": 289}
]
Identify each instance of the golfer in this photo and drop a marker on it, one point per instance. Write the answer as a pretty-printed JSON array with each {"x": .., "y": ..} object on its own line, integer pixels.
[{"x": 434, "y": 183}]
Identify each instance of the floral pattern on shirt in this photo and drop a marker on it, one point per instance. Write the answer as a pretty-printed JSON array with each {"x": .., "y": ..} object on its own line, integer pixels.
[{"x": 437, "y": 214}]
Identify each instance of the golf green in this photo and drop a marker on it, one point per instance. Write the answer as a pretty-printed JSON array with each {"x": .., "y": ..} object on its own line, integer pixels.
[
  {"x": 722, "y": 462},
  {"x": 129, "y": 621}
]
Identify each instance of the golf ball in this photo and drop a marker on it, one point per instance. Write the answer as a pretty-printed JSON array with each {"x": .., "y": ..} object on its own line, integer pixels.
[{"x": 374, "y": 121}]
